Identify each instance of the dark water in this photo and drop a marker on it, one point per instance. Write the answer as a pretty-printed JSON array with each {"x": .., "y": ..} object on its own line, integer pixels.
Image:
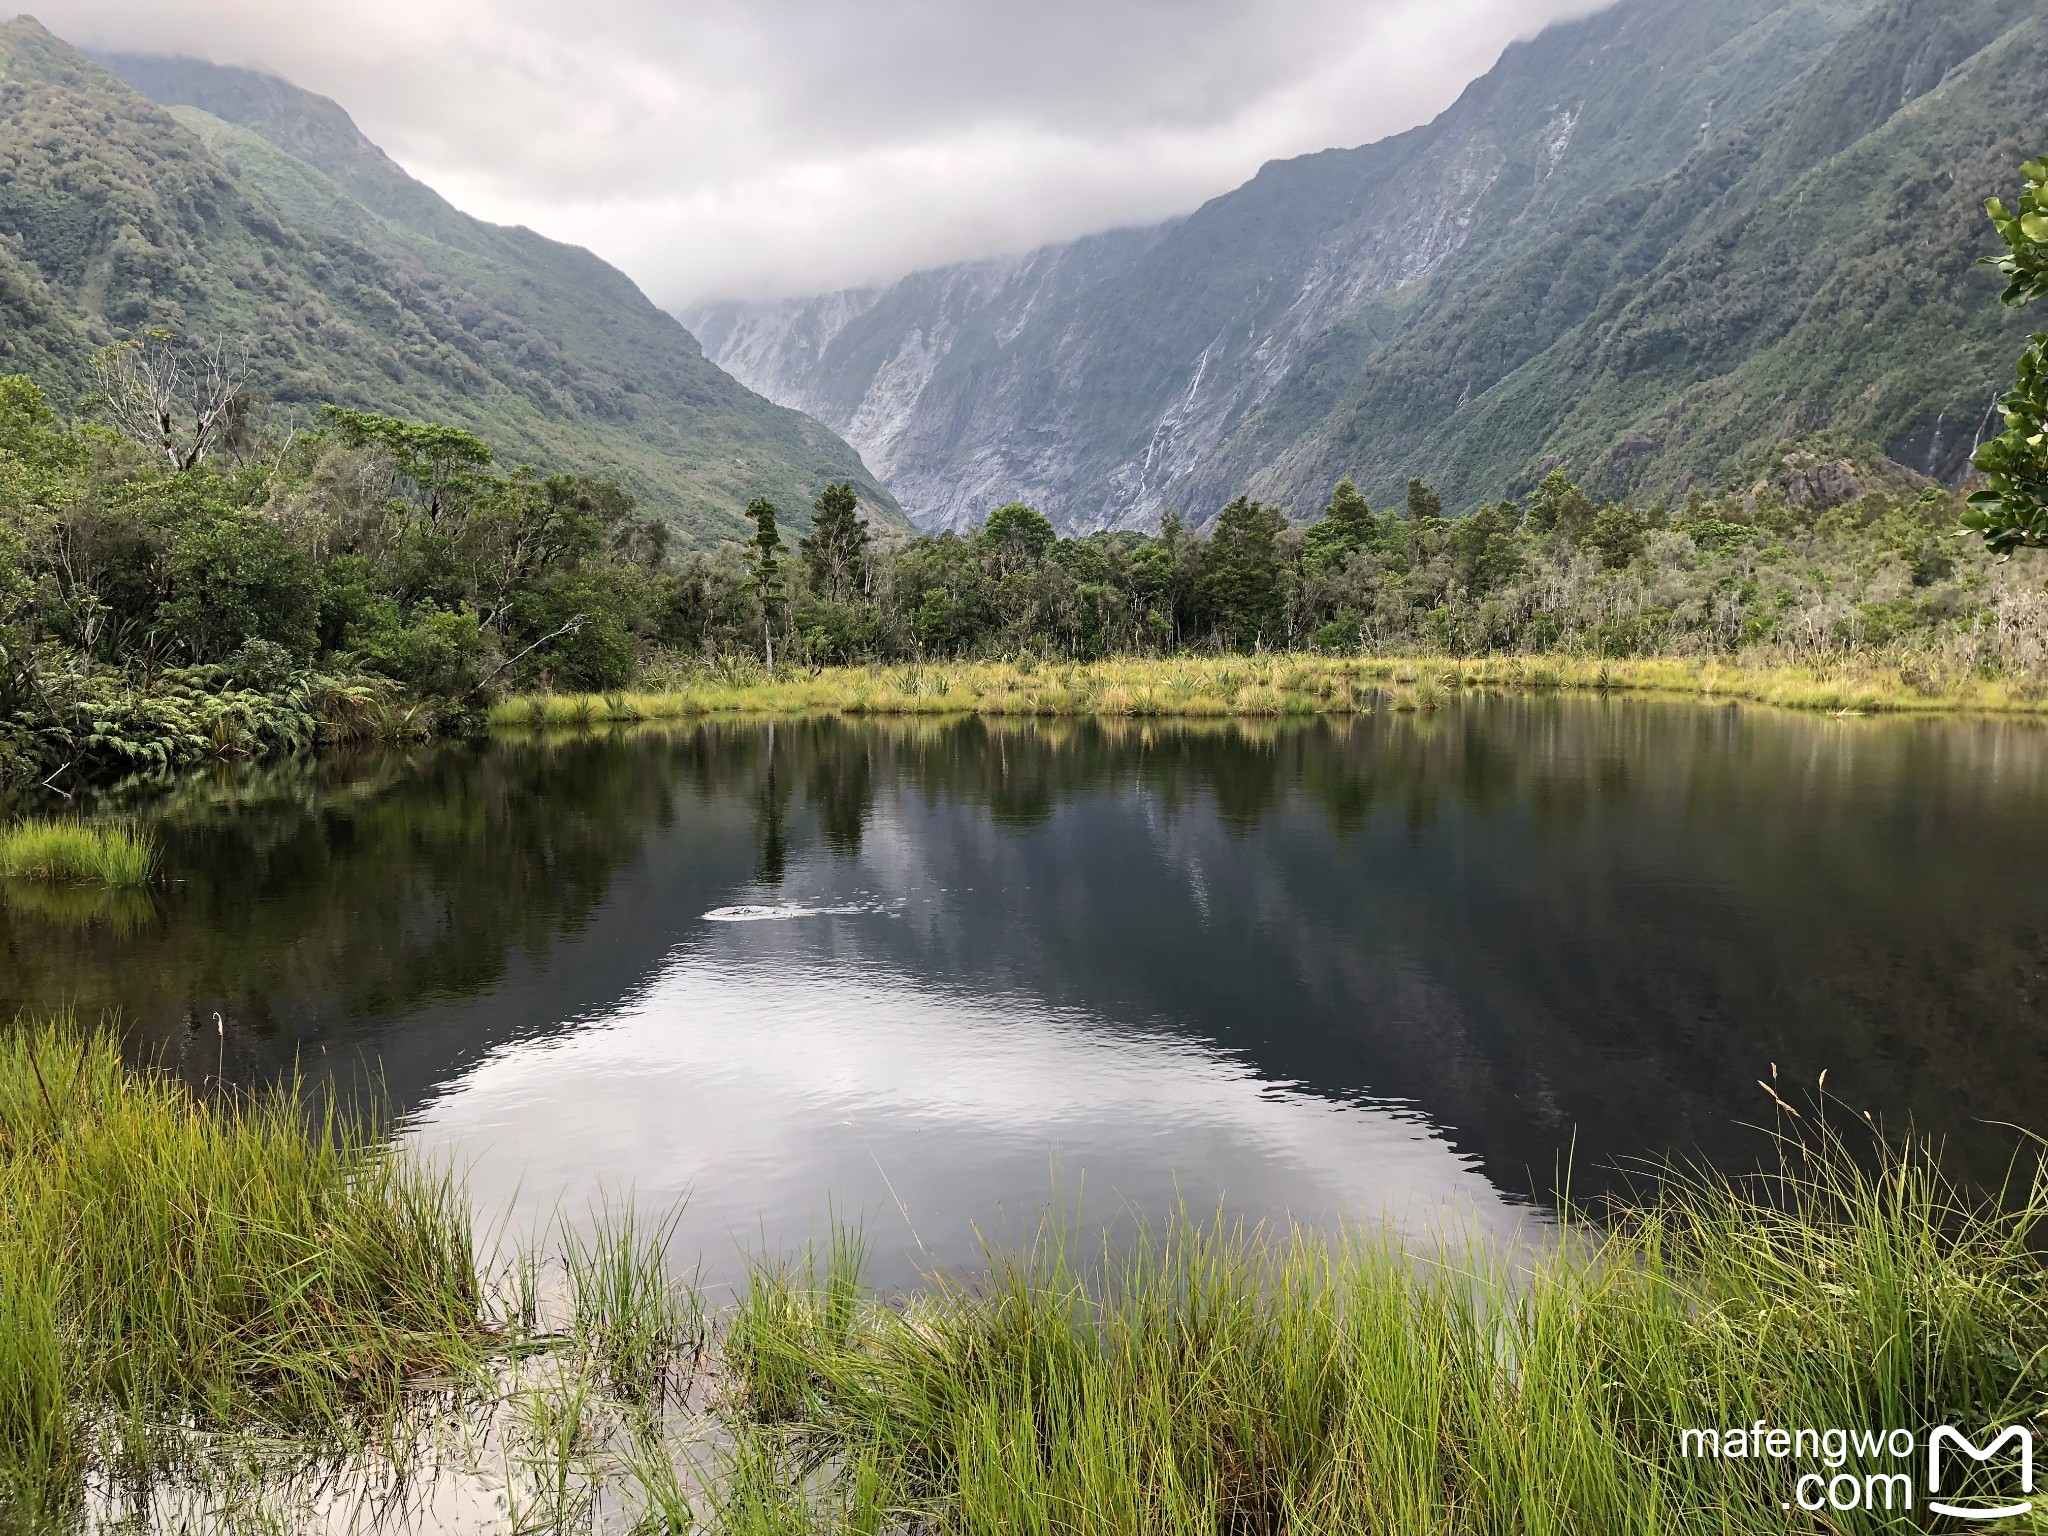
[{"x": 1376, "y": 969}]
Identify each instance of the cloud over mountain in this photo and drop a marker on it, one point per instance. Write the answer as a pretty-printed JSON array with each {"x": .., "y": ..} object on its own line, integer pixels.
[{"x": 752, "y": 149}]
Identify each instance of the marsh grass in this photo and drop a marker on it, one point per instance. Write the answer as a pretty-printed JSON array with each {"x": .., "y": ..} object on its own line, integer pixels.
[
  {"x": 169, "y": 1262},
  {"x": 1251, "y": 687},
  {"x": 76, "y": 852},
  {"x": 1211, "y": 1378},
  {"x": 177, "y": 1270}
]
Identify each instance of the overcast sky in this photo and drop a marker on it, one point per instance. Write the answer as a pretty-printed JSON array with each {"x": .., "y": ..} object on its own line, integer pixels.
[{"x": 754, "y": 148}]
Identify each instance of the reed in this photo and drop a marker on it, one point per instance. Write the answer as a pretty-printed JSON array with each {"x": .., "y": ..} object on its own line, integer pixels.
[
  {"x": 76, "y": 852},
  {"x": 170, "y": 1261},
  {"x": 1268, "y": 686},
  {"x": 1215, "y": 1379}
]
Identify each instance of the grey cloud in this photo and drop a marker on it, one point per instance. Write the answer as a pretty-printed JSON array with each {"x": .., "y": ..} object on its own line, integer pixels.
[{"x": 729, "y": 147}]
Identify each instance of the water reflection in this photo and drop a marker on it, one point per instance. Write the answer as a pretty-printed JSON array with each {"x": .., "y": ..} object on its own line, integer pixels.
[{"x": 1322, "y": 967}]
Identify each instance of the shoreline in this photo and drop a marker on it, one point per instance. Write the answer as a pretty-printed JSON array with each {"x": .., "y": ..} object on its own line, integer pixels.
[{"x": 1270, "y": 687}]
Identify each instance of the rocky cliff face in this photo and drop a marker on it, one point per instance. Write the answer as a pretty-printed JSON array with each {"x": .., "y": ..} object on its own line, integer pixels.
[
  {"x": 1109, "y": 379},
  {"x": 885, "y": 361}
]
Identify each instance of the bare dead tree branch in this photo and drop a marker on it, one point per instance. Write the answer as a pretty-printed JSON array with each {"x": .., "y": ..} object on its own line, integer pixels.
[
  {"x": 575, "y": 622},
  {"x": 176, "y": 400}
]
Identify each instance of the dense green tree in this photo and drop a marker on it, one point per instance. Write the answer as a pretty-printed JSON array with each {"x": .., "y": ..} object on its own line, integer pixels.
[
  {"x": 1559, "y": 507},
  {"x": 435, "y": 652},
  {"x": 240, "y": 579},
  {"x": 1241, "y": 592},
  {"x": 1423, "y": 503},
  {"x": 768, "y": 584},
  {"x": 2011, "y": 512},
  {"x": 573, "y": 629},
  {"x": 1616, "y": 536},
  {"x": 436, "y": 466},
  {"x": 1346, "y": 527},
  {"x": 1016, "y": 536},
  {"x": 835, "y": 552},
  {"x": 1486, "y": 549},
  {"x": 706, "y": 606}
]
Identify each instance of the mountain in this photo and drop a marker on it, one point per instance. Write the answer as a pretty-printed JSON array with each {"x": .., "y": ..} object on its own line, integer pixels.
[
  {"x": 1644, "y": 246},
  {"x": 138, "y": 192}
]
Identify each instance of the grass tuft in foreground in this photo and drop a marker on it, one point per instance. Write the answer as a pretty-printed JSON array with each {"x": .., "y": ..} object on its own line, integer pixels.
[
  {"x": 172, "y": 1267},
  {"x": 168, "y": 1261},
  {"x": 75, "y": 852},
  {"x": 1218, "y": 1380}
]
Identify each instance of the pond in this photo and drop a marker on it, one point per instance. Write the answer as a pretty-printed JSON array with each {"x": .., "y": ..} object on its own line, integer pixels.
[{"x": 938, "y": 977}]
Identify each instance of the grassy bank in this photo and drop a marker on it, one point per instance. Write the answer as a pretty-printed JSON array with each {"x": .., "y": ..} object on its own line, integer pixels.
[
  {"x": 1263, "y": 686},
  {"x": 183, "y": 1278},
  {"x": 76, "y": 853},
  {"x": 176, "y": 1267},
  {"x": 1232, "y": 1381},
  {"x": 166, "y": 1260}
]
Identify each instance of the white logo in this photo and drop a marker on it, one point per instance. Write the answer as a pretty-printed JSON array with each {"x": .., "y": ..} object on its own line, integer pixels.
[{"x": 1935, "y": 1441}]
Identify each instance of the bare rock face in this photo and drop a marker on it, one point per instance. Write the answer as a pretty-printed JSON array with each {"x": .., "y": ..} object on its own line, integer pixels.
[
  {"x": 1817, "y": 477},
  {"x": 1819, "y": 484}
]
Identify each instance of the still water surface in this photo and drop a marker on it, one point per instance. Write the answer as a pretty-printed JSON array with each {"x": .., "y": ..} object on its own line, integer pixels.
[{"x": 935, "y": 976}]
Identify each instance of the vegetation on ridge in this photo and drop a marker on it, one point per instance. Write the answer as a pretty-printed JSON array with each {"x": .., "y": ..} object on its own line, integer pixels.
[{"x": 353, "y": 284}]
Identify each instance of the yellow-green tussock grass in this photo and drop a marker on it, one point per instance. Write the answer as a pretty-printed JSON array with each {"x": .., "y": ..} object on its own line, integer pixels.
[
  {"x": 1263, "y": 686},
  {"x": 76, "y": 852}
]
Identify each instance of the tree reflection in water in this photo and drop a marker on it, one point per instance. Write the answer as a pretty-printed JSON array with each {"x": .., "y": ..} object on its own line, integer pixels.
[{"x": 1533, "y": 919}]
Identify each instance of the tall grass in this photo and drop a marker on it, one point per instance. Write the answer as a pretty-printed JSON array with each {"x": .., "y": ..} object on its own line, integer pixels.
[
  {"x": 170, "y": 1264},
  {"x": 1218, "y": 1380},
  {"x": 76, "y": 852},
  {"x": 1263, "y": 686},
  {"x": 178, "y": 1273},
  {"x": 167, "y": 1261}
]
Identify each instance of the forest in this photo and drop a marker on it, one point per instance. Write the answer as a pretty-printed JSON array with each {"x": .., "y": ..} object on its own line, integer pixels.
[{"x": 181, "y": 578}]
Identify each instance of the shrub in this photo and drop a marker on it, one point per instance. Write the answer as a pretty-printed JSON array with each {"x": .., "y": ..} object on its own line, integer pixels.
[
  {"x": 580, "y": 625},
  {"x": 437, "y": 651},
  {"x": 239, "y": 579}
]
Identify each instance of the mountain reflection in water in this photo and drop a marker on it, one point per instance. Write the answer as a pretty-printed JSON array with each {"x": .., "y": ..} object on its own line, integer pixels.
[{"x": 1332, "y": 969}]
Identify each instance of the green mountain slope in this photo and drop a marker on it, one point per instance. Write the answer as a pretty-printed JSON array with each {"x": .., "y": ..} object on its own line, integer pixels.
[
  {"x": 1646, "y": 245},
  {"x": 257, "y": 211},
  {"x": 1193, "y": 362},
  {"x": 1816, "y": 269}
]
